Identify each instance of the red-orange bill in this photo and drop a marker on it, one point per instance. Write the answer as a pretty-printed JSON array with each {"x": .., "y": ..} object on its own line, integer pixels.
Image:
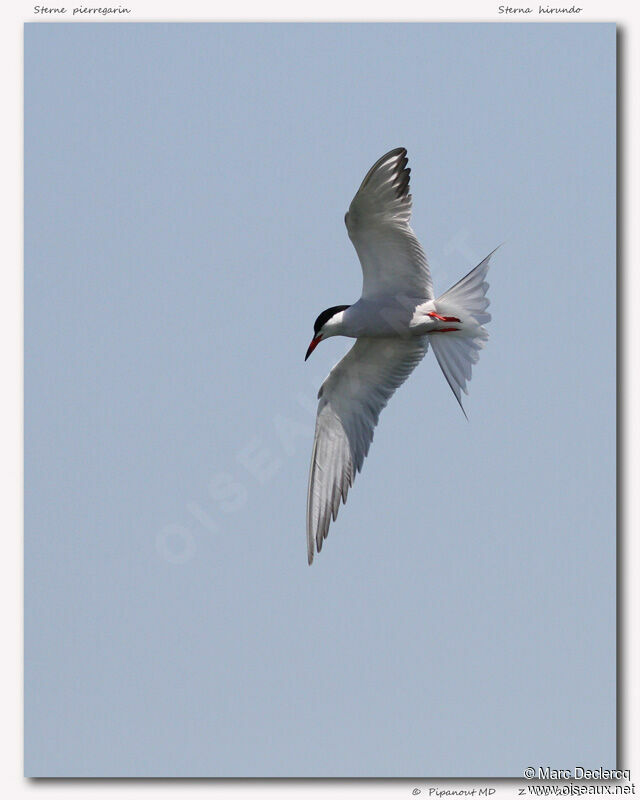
[{"x": 314, "y": 343}]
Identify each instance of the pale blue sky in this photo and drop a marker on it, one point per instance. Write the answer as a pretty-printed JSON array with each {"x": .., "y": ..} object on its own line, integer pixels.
[{"x": 184, "y": 200}]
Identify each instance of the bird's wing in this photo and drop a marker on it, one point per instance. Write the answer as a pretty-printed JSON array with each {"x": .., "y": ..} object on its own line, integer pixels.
[
  {"x": 393, "y": 262},
  {"x": 351, "y": 399}
]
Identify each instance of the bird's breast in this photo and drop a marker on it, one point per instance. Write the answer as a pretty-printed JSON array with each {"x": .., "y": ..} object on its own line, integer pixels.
[{"x": 381, "y": 317}]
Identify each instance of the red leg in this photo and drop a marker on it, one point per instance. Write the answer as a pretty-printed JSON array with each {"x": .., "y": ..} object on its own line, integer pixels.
[
  {"x": 443, "y": 319},
  {"x": 444, "y": 330}
]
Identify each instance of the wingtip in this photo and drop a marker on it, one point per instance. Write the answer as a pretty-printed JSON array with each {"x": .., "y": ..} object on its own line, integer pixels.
[{"x": 400, "y": 152}]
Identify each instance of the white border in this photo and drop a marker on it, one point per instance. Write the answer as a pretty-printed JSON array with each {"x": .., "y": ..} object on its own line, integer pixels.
[{"x": 12, "y": 784}]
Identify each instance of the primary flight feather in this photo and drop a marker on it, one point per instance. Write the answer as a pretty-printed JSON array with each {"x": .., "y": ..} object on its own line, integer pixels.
[{"x": 393, "y": 322}]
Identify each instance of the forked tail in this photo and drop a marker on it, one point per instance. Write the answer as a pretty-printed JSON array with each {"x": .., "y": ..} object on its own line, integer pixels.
[{"x": 456, "y": 351}]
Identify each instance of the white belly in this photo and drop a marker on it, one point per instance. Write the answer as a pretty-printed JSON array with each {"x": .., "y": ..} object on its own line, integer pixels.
[{"x": 389, "y": 316}]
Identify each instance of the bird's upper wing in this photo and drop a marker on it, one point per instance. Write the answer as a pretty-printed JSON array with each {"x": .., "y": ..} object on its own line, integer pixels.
[
  {"x": 393, "y": 262},
  {"x": 351, "y": 399}
]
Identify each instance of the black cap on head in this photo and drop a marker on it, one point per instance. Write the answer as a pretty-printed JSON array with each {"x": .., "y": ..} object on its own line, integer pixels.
[{"x": 322, "y": 318}]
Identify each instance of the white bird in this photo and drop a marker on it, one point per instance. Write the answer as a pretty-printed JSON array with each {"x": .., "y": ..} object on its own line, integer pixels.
[{"x": 393, "y": 322}]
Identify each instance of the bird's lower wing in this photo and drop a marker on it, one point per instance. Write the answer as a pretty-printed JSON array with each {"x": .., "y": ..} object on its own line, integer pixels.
[{"x": 351, "y": 399}]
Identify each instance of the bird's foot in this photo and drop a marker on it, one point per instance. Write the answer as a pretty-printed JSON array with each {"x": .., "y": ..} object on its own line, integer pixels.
[
  {"x": 444, "y": 330},
  {"x": 443, "y": 319}
]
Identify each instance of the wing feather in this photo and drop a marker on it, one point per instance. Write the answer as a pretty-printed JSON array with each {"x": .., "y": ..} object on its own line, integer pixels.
[
  {"x": 378, "y": 225},
  {"x": 350, "y": 401}
]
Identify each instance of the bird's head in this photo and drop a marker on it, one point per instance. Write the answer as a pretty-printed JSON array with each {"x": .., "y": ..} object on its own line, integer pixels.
[{"x": 327, "y": 324}]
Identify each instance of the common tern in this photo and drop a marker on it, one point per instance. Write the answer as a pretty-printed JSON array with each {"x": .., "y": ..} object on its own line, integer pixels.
[{"x": 393, "y": 323}]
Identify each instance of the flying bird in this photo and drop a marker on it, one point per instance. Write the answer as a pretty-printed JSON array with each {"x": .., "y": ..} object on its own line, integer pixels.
[{"x": 393, "y": 323}]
